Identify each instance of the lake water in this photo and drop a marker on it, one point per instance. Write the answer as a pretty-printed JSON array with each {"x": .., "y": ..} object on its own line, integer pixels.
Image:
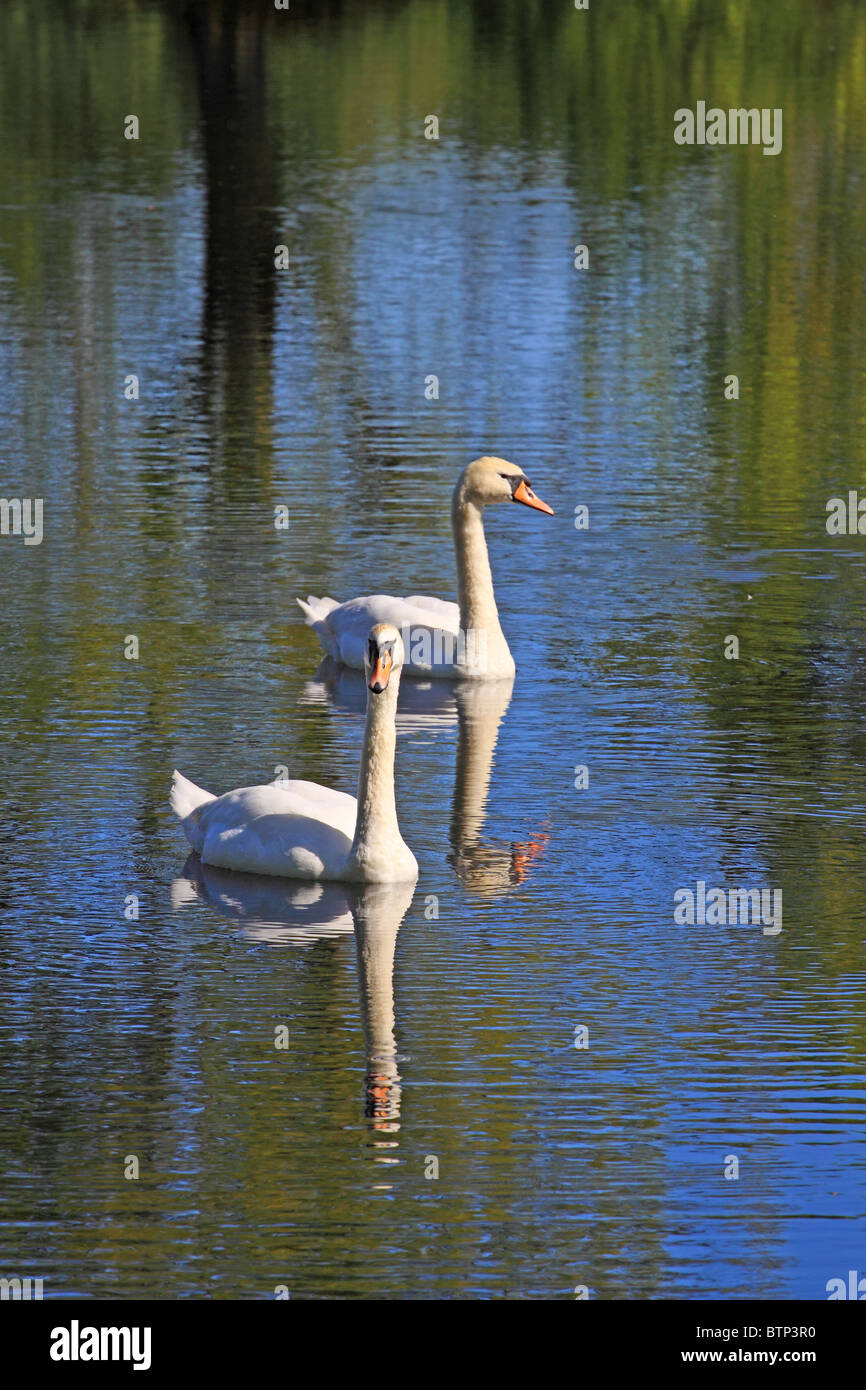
[{"x": 286, "y": 1069}]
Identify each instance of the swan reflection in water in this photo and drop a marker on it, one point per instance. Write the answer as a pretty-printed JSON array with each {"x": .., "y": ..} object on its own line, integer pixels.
[
  {"x": 485, "y": 866},
  {"x": 286, "y": 912}
]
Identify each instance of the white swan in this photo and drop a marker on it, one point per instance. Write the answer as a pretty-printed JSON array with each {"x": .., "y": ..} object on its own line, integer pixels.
[
  {"x": 462, "y": 639},
  {"x": 302, "y": 830}
]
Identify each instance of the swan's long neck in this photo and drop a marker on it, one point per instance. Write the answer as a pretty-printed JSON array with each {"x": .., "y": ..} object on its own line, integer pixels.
[
  {"x": 479, "y": 617},
  {"x": 377, "y": 833}
]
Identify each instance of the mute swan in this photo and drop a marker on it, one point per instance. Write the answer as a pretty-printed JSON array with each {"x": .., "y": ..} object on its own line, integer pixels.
[
  {"x": 301, "y": 830},
  {"x": 461, "y": 639}
]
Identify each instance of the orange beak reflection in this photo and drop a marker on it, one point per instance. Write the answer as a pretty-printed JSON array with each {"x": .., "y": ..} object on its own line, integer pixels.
[
  {"x": 523, "y": 855},
  {"x": 380, "y": 673},
  {"x": 523, "y": 493}
]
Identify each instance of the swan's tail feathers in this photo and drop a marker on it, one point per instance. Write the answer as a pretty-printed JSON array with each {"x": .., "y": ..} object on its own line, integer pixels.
[
  {"x": 186, "y": 801},
  {"x": 316, "y": 611}
]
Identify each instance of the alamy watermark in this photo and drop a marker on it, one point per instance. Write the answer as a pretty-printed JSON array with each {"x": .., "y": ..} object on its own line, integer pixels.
[
  {"x": 22, "y": 516},
  {"x": 20, "y": 1289},
  {"x": 846, "y": 516},
  {"x": 739, "y": 125},
  {"x": 852, "y": 1288},
  {"x": 428, "y": 647},
  {"x": 720, "y": 907},
  {"x": 77, "y": 1343}
]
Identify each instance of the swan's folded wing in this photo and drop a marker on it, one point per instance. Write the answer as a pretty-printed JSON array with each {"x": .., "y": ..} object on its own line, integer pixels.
[
  {"x": 447, "y": 613},
  {"x": 339, "y": 808},
  {"x": 299, "y": 829},
  {"x": 350, "y": 623}
]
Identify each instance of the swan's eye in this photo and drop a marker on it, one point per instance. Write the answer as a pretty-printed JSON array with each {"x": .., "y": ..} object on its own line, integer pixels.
[{"x": 514, "y": 480}]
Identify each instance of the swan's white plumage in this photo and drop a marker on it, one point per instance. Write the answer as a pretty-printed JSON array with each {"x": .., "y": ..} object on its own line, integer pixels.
[
  {"x": 187, "y": 800},
  {"x": 291, "y": 829},
  {"x": 296, "y": 829},
  {"x": 343, "y": 629},
  {"x": 441, "y": 638}
]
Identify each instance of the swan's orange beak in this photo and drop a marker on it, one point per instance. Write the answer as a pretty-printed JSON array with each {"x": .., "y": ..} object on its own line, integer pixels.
[
  {"x": 380, "y": 673},
  {"x": 523, "y": 493}
]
